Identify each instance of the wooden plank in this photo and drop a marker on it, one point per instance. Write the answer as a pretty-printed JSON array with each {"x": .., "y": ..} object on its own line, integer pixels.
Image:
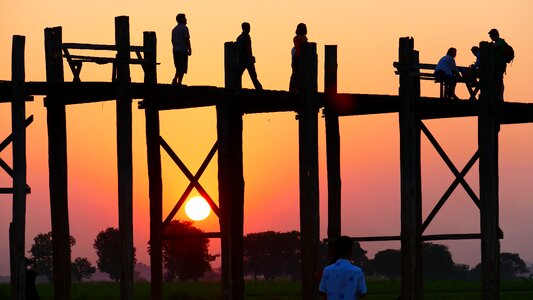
[
  {"x": 231, "y": 184},
  {"x": 515, "y": 113},
  {"x": 124, "y": 156},
  {"x": 57, "y": 165},
  {"x": 17, "y": 229},
  {"x": 101, "y": 60},
  {"x": 332, "y": 148},
  {"x": 155, "y": 181},
  {"x": 488, "y": 129},
  {"x": 429, "y": 237},
  {"x": 82, "y": 46},
  {"x": 410, "y": 173},
  {"x": 308, "y": 159}
]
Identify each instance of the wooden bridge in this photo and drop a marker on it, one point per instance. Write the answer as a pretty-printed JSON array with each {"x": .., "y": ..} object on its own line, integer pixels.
[{"x": 231, "y": 103}]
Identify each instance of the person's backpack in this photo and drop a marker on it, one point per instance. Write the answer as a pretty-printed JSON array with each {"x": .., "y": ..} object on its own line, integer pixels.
[{"x": 508, "y": 53}]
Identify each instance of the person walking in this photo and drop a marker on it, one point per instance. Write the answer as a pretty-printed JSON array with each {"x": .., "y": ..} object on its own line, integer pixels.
[
  {"x": 342, "y": 280},
  {"x": 246, "y": 58}
]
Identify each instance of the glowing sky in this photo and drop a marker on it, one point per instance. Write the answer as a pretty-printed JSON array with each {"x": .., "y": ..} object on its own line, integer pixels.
[{"x": 366, "y": 33}]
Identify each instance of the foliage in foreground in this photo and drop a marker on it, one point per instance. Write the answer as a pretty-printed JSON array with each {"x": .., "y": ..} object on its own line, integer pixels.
[{"x": 285, "y": 290}]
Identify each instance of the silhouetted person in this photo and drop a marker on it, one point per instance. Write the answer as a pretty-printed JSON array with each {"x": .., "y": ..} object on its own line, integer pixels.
[
  {"x": 342, "y": 280},
  {"x": 181, "y": 48},
  {"x": 246, "y": 58},
  {"x": 31, "y": 290},
  {"x": 475, "y": 51},
  {"x": 298, "y": 40},
  {"x": 500, "y": 64},
  {"x": 447, "y": 72}
]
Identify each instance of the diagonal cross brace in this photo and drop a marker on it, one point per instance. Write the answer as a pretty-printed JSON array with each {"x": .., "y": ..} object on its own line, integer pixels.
[
  {"x": 9, "y": 138},
  {"x": 450, "y": 165},
  {"x": 192, "y": 178}
]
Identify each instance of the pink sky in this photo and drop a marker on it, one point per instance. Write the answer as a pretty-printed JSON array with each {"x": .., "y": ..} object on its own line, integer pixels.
[{"x": 367, "y": 38}]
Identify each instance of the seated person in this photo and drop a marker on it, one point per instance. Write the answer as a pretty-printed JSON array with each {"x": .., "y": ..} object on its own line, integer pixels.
[{"x": 447, "y": 72}]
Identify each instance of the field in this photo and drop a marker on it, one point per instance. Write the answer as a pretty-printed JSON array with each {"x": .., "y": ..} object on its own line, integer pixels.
[{"x": 285, "y": 290}]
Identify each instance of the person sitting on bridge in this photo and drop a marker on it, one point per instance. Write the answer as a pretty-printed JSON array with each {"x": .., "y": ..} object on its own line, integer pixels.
[{"x": 447, "y": 72}]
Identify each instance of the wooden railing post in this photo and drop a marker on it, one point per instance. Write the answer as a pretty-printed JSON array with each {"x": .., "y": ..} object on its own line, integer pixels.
[
  {"x": 332, "y": 147},
  {"x": 308, "y": 158},
  {"x": 155, "y": 182},
  {"x": 17, "y": 228},
  {"x": 124, "y": 155},
  {"x": 411, "y": 194},
  {"x": 488, "y": 129},
  {"x": 231, "y": 184},
  {"x": 57, "y": 164}
]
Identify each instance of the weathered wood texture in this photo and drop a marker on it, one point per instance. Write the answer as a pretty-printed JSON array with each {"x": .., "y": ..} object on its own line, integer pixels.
[
  {"x": 410, "y": 191},
  {"x": 488, "y": 129},
  {"x": 308, "y": 157},
  {"x": 231, "y": 184},
  {"x": 332, "y": 148},
  {"x": 124, "y": 156},
  {"x": 17, "y": 229},
  {"x": 57, "y": 164},
  {"x": 155, "y": 181}
]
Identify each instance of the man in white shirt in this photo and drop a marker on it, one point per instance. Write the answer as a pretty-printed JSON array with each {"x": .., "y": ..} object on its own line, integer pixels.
[
  {"x": 181, "y": 48},
  {"x": 342, "y": 280},
  {"x": 447, "y": 72}
]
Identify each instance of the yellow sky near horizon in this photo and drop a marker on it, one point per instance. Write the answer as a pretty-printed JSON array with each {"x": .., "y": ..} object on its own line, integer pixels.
[{"x": 366, "y": 33}]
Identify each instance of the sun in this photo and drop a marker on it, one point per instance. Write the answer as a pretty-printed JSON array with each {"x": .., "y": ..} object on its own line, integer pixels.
[{"x": 197, "y": 208}]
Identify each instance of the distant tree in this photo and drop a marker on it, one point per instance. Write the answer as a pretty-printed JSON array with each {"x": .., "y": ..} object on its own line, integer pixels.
[
  {"x": 272, "y": 254},
  {"x": 107, "y": 245},
  {"x": 41, "y": 254},
  {"x": 385, "y": 263},
  {"x": 511, "y": 267},
  {"x": 82, "y": 268},
  {"x": 437, "y": 262},
  {"x": 185, "y": 259}
]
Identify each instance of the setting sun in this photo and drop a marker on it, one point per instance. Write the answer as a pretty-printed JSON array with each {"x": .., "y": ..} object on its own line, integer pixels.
[{"x": 197, "y": 208}]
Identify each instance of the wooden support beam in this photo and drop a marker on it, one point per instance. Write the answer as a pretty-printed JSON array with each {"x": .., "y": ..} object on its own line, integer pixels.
[
  {"x": 17, "y": 228},
  {"x": 488, "y": 128},
  {"x": 333, "y": 151},
  {"x": 308, "y": 158},
  {"x": 81, "y": 46},
  {"x": 124, "y": 156},
  {"x": 155, "y": 181},
  {"x": 411, "y": 202},
  {"x": 231, "y": 184},
  {"x": 57, "y": 165}
]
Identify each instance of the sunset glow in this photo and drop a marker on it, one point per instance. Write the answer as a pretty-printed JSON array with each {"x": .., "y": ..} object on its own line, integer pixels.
[{"x": 197, "y": 208}]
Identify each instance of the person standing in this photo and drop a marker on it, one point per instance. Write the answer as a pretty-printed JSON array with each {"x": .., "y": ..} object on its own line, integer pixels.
[
  {"x": 342, "y": 280},
  {"x": 181, "y": 48},
  {"x": 299, "y": 40},
  {"x": 500, "y": 64},
  {"x": 246, "y": 58},
  {"x": 447, "y": 72}
]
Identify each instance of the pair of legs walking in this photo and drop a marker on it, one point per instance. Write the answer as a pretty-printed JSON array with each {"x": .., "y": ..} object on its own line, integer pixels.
[{"x": 253, "y": 74}]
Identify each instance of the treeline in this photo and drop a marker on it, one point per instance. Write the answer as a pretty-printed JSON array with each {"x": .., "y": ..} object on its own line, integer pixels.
[{"x": 267, "y": 255}]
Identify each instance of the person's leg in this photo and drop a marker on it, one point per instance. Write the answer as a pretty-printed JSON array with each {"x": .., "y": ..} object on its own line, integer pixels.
[
  {"x": 176, "y": 66},
  {"x": 183, "y": 66},
  {"x": 253, "y": 76}
]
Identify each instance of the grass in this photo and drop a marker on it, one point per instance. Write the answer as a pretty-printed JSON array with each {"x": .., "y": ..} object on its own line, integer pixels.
[{"x": 284, "y": 290}]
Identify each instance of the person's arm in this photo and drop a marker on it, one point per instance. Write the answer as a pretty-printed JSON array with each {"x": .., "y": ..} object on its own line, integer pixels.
[{"x": 189, "y": 49}]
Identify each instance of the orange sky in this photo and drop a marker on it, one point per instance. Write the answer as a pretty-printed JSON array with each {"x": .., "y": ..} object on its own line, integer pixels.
[{"x": 366, "y": 33}]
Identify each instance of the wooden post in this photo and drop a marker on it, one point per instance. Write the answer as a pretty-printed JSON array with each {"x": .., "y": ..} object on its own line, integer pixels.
[
  {"x": 411, "y": 202},
  {"x": 124, "y": 156},
  {"x": 57, "y": 164},
  {"x": 231, "y": 184},
  {"x": 308, "y": 149},
  {"x": 155, "y": 184},
  {"x": 488, "y": 129},
  {"x": 18, "y": 118},
  {"x": 332, "y": 148}
]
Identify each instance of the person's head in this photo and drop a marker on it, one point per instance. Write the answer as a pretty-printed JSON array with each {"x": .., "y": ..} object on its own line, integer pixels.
[
  {"x": 494, "y": 34},
  {"x": 245, "y": 27},
  {"x": 343, "y": 246},
  {"x": 452, "y": 52},
  {"x": 475, "y": 50},
  {"x": 181, "y": 19},
  {"x": 301, "y": 29}
]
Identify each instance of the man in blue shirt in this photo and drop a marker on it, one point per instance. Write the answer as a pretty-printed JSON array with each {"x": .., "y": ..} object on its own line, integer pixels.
[
  {"x": 342, "y": 280},
  {"x": 447, "y": 72}
]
